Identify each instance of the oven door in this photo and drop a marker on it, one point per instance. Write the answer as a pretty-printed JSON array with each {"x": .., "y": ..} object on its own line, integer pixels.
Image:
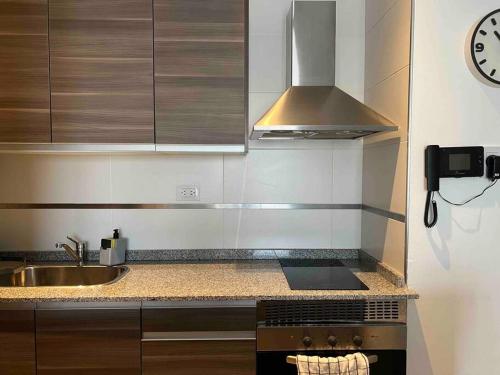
[
  {"x": 387, "y": 342},
  {"x": 390, "y": 362}
]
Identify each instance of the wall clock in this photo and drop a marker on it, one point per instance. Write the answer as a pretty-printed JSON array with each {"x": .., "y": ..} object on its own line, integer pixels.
[{"x": 482, "y": 49}]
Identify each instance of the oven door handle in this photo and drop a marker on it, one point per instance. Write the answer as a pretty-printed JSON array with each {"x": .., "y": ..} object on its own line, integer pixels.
[{"x": 293, "y": 360}]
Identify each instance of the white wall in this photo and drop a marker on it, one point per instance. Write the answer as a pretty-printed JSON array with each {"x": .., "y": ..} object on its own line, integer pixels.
[
  {"x": 320, "y": 172},
  {"x": 454, "y": 328}
]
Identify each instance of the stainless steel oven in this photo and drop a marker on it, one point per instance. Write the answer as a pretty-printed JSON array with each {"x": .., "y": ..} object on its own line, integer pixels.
[{"x": 329, "y": 329}]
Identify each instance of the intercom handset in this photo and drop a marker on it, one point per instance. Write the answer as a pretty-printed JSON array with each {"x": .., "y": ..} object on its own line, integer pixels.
[{"x": 445, "y": 162}]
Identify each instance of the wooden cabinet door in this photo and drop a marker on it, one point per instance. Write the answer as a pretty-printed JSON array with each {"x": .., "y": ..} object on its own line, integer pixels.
[
  {"x": 88, "y": 340},
  {"x": 191, "y": 338},
  {"x": 198, "y": 357},
  {"x": 200, "y": 71},
  {"x": 101, "y": 71},
  {"x": 24, "y": 72},
  {"x": 17, "y": 340}
]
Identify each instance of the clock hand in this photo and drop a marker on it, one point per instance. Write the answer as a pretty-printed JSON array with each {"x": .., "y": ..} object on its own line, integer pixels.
[{"x": 497, "y": 34}]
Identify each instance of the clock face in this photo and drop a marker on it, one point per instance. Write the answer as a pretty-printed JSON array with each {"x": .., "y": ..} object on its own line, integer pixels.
[{"x": 485, "y": 47}]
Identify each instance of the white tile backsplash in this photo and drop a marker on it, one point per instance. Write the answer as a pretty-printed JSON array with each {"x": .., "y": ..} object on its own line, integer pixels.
[
  {"x": 384, "y": 239},
  {"x": 346, "y": 229},
  {"x": 376, "y": 10},
  {"x": 347, "y": 175},
  {"x": 40, "y": 229},
  {"x": 350, "y": 47},
  {"x": 54, "y": 178},
  {"x": 267, "y": 229},
  {"x": 384, "y": 180},
  {"x": 171, "y": 229},
  {"x": 267, "y": 63},
  {"x": 330, "y": 175},
  {"x": 154, "y": 178},
  {"x": 387, "y": 44},
  {"x": 279, "y": 176},
  {"x": 268, "y": 17}
]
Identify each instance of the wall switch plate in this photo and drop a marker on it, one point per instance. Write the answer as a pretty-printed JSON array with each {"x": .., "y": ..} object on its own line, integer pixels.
[{"x": 187, "y": 193}]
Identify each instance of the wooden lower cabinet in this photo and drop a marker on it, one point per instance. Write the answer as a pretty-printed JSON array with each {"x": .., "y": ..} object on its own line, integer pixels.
[
  {"x": 88, "y": 340},
  {"x": 17, "y": 340},
  {"x": 192, "y": 338},
  {"x": 198, "y": 357},
  {"x": 106, "y": 338}
]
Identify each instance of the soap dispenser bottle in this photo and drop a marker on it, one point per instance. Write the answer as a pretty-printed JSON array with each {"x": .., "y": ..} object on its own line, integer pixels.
[{"x": 113, "y": 250}]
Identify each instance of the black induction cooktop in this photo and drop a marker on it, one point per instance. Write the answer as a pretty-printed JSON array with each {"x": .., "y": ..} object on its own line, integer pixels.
[{"x": 320, "y": 274}]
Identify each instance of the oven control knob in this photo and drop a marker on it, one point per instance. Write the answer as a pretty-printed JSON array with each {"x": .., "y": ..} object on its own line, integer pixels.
[
  {"x": 307, "y": 341},
  {"x": 357, "y": 340},
  {"x": 332, "y": 340}
]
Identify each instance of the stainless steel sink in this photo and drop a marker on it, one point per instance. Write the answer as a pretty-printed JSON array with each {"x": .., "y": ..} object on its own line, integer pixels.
[{"x": 35, "y": 276}]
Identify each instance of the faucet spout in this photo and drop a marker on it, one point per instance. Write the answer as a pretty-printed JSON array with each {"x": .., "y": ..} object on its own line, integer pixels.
[
  {"x": 76, "y": 254},
  {"x": 69, "y": 251}
]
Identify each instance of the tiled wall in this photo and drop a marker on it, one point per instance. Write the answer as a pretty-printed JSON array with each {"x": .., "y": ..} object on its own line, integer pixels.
[
  {"x": 267, "y": 54},
  {"x": 329, "y": 175},
  {"x": 387, "y": 59},
  {"x": 350, "y": 47}
]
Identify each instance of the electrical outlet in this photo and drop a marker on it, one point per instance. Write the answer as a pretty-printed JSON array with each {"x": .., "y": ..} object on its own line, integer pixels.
[{"x": 188, "y": 193}]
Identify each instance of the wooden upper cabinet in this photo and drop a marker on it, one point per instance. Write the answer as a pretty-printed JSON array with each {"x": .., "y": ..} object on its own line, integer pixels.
[
  {"x": 101, "y": 71},
  {"x": 24, "y": 72},
  {"x": 200, "y": 71}
]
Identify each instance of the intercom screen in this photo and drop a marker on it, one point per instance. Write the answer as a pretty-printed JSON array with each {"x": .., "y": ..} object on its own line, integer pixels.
[{"x": 459, "y": 162}]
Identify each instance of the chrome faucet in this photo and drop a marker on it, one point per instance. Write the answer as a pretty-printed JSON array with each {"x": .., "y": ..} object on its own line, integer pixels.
[{"x": 78, "y": 253}]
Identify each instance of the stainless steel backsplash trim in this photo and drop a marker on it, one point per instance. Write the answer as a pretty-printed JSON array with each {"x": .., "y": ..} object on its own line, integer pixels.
[
  {"x": 181, "y": 206},
  {"x": 388, "y": 214}
]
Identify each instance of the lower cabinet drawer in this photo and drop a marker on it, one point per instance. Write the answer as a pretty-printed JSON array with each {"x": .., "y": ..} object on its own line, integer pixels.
[
  {"x": 204, "y": 316},
  {"x": 217, "y": 357}
]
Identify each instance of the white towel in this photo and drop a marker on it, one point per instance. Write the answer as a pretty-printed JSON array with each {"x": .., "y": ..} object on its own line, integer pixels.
[{"x": 351, "y": 364}]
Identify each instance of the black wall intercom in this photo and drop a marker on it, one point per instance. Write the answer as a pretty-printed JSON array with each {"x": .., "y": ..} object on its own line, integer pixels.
[
  {"x": 445, "y": 162},
  {"x": 442, "y": 162}
]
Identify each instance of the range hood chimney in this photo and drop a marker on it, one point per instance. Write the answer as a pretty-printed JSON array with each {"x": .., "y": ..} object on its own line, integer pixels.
[{"x": 312, "y": 107}]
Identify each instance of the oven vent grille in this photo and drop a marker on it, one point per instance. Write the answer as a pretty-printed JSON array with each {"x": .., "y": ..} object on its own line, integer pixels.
[
  {"x": 381, "y": 310},
  {"x": 313, "y": 312}
]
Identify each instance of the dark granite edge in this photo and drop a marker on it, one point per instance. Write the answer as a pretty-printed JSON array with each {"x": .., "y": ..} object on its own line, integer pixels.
[
  {"x": 190, "y": 254},
  {"x": 409, "y": 295}
]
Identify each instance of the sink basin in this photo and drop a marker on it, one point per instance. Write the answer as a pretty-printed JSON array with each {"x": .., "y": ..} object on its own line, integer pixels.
[{"x": 33, "y": 276}]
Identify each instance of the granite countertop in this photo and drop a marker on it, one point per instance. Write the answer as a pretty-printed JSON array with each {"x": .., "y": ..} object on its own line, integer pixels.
[{"x": 214, "y": 280}]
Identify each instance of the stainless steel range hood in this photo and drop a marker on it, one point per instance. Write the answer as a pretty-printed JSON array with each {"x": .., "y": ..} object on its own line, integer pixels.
[{"x": 312, "y": 107}]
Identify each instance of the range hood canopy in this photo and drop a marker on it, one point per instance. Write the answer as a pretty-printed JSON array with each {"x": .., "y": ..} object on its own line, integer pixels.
[{"x": 312, "y": 107}]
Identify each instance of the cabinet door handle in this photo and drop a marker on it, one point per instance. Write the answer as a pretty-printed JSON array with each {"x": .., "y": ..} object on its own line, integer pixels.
[{"x": 199, "y": 336}]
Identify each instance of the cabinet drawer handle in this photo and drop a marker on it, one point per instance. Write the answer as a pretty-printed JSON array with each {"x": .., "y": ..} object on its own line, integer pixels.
[{"x": 199, "y": 336}]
